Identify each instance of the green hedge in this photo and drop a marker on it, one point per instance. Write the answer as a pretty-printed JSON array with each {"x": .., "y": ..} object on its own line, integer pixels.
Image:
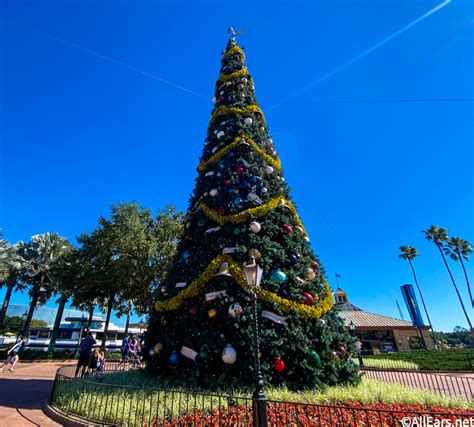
[{"x": 443, "y": 360}]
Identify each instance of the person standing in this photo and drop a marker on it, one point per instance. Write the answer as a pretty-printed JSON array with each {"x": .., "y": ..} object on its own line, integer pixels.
[
  {"x": 12, "y": 354},
  {"x": 85, "y": 354},
  {"x": 125, "y": 349}
]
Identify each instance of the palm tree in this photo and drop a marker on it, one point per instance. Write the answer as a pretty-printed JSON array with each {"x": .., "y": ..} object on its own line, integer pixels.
[
  {"x": 39, "y": 255},
  {"x": 409, "y": 253},
  {"x": 439, "y": 236},
  {"x": 12, "y": 277},
  {"x": 458, "y": 249},
  {"x": 5, "y": 257}
]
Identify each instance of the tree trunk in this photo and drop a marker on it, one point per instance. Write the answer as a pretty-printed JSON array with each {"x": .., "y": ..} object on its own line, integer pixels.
[
  {"x": 467, "y": 280},
  {"x": 127, "y": 323},
  {"x": 422, "y": 299},
  {"x": 91, "y": 315},
  {"x": 29, "y": 317},
  {"x": 6, "y": 303},
  {"x": 456, "y": 288},
  {"x": 57, "y": 323},
  {"x": 107, "y": 320}
]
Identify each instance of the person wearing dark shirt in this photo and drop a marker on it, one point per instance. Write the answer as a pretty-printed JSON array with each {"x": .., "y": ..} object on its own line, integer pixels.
[
  {"x": 12, "y": 354},
  {"x": 85, "y": 353}
]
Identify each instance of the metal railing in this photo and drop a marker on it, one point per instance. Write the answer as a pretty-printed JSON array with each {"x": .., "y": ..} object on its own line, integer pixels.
[{"x": 100, "y": 402}]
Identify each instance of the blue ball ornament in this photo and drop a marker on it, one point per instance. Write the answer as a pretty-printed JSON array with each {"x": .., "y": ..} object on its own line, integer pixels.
[
  {"x": 238, "y": 201},
  {"x": 278, "y": 276},
  {"x": 174, "y": 357}
]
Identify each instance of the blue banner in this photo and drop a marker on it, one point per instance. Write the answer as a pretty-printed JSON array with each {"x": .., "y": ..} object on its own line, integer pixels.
[{"x": 412, "y": 305}]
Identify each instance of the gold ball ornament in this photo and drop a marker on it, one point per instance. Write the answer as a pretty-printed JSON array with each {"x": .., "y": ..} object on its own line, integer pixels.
[
  {"x": 158, "y": 347},
  {"x": 299, "y": 229},
  {"x": 212, "y": 313},
  {"x": 311, "y": 274},
  {"x": 255, "y": 254}
]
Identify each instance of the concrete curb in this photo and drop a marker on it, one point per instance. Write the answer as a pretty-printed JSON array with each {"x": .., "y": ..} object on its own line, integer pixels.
[{"x": 67, "y": 420}]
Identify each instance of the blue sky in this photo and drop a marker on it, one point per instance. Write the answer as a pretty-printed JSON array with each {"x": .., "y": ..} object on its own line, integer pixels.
[{"x": 79, "y": 132}]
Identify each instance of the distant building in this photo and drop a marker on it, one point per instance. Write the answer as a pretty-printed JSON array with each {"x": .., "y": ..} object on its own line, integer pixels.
[
  {"x": 72, "y": 328},
  {"x": 378, "y": 333}
]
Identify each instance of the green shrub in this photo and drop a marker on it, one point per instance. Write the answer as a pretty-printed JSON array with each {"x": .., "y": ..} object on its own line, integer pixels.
[{"x": 443, "y": 360}]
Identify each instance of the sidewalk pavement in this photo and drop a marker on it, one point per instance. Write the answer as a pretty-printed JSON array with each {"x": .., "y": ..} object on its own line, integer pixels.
[{"x": 23, "y": 392}]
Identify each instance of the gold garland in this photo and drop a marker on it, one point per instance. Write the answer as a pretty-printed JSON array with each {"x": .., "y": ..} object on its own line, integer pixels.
[
  {"x": 311, "y": 312},
  {"x": 232, "y": 50},
  {"x": 252, "y": 212},
  {"x": 223, "y": 109},
  {"x": 227, "y": 77},
  {"x": 221, "y": 153}
]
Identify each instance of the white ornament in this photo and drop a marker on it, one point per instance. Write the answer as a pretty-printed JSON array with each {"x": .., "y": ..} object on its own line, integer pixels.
[
  {"x": 255, "y": 226},
  {"x": 210, "y": 173},
  {"x": 214, "y": 100},
  {"x": 215, "y": 131},
  {"x": 214, "y": 192},
  {"x": 270, "y": 141},
  {"x": 264, "y": 190},
  {"x": 220, "y": 134},
  {"x": 229, "y": 355},
  {"x": 269, "y": 170},
  {"x": 221, "y": 92},
  {"x": 248, "y": 121},
  {"x": 311, "y": 274},
  {"x": 214, "y": 149}
]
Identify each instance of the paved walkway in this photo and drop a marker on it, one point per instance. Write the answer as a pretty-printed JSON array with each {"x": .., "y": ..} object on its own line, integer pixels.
[{"x": 22, "y": 393}]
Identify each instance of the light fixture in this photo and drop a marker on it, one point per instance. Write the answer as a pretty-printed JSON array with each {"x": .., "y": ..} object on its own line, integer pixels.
[{"x": 253, "y": 273}]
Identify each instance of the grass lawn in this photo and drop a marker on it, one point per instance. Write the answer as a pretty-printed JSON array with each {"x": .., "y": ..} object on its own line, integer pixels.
[{"x": 443, "y": 360}]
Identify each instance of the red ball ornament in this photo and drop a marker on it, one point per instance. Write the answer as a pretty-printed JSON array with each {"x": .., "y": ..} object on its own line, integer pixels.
[
  {"x": 308, "y": 298},
  {"x": 279, "y": 365},
  {"x": 228, "y": 182},
  {"x": 193, "y": 310},
  {"x": 315, "y": 265},
  {"x": 240, "y": 169},
  {"x": 221, "y": 211},
  {"x": 287, "y": 229},
  {"x": 268, "y": 149}
]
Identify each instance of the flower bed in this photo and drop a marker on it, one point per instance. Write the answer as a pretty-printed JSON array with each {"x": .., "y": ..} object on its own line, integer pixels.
[{"x": 352, "y": 414}]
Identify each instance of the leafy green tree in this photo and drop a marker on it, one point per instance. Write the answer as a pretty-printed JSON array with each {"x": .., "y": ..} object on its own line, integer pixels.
[
  {"x": 128, "y": 254},
  {"x": 439, "y": 236},
  {"x": 459, "y": 250},
  {"x": 409, "y": 253},
  {"x": 39, "y": 255},
  {"x": 240, "y": 213}
]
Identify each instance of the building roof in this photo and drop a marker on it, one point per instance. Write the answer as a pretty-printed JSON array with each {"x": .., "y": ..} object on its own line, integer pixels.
[{"x": 363, "y": 320}]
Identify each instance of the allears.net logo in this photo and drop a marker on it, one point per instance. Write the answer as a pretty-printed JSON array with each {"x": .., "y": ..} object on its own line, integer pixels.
[{"x": 429, "y": 421}]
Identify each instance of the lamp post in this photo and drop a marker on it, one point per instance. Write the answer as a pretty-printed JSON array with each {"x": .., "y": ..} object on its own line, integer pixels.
[
  {"x": 253, "y": 274},
  {"x": 352, "y": 328},
  {"x": 24, "y": 316},
  {"x": 80, "y": 336}
]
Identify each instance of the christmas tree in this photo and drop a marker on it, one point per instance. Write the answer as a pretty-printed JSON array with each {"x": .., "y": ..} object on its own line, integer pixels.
[{"x": 241, "y": 213}]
